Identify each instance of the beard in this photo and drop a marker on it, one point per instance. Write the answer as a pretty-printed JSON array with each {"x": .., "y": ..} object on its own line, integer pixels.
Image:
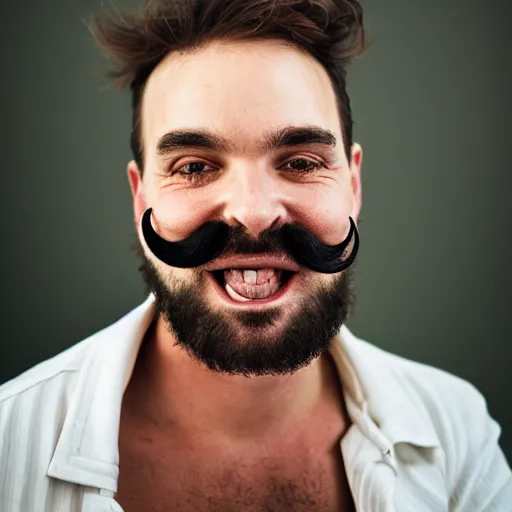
[{"x": 214, "y": 338}]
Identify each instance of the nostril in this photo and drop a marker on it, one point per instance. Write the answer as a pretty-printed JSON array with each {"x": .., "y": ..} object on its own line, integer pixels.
[{"x": 275, "y": 224}]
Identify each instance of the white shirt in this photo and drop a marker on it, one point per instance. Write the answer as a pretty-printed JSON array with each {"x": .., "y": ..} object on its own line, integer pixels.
[{"x": 420, "y": 439}]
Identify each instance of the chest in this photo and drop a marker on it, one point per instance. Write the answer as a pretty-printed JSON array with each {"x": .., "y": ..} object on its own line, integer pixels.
[{"x": 158, "y": 480}]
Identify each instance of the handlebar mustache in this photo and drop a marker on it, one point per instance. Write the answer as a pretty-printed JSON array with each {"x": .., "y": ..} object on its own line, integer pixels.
[{"x": 216, "y": 238}]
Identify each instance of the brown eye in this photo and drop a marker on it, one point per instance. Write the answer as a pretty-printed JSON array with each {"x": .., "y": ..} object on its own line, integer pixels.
[
  {"x": 303, "y": 165},
  {"x": 194, "y": 172},
  {"x": 192, "y": 168}
]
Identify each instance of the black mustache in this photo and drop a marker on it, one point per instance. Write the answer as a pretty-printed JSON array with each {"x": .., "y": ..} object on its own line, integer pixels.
[{"x": 215, "y": 238}]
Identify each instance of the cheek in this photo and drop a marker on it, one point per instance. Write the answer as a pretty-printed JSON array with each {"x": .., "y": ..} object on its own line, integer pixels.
[
  {"x": 323, "y": 207},
  {"x": 177, "y": 214},
  {"x": 325, "y": 212},
  {"x": 171, "y": 276},
  {"x": 179, "y": 278}
]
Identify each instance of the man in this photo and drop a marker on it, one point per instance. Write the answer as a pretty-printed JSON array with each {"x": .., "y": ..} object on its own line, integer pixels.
[{"x": 236, "y": 385}]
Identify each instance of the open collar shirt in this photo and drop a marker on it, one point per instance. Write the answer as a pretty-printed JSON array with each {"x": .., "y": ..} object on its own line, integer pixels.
[{"x": 420, "y": 439}]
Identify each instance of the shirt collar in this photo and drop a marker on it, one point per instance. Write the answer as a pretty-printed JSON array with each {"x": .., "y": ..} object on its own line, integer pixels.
[
  {"x": 379, "y": 389},
  {"x": 87, "y": 448}
]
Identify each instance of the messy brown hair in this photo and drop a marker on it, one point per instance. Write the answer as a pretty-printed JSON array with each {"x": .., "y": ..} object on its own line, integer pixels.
[{"x": 329, "y": 30}]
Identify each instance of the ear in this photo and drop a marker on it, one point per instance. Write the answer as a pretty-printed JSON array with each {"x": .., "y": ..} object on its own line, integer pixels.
[
  {"x": 137, "y": 188},
  {"x": 356, "y": 162}
]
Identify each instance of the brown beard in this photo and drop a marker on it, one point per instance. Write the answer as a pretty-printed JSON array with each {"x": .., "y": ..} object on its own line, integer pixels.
[{"x": 210, "y": 337}]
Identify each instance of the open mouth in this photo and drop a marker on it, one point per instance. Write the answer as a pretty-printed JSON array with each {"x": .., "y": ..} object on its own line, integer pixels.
[{"x": 252, "y": 286}]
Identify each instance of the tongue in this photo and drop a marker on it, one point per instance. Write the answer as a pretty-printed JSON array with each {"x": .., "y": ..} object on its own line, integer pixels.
[{"x": 252, "y": 284}]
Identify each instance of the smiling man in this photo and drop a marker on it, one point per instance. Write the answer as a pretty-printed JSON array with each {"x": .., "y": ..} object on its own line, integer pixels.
[{"x": 236, "y": 386}]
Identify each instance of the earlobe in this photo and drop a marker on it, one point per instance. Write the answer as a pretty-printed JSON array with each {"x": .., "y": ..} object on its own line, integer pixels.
[{"x": 137, "y": 188}]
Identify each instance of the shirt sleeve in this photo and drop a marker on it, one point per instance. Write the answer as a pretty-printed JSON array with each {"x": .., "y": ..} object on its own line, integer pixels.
[{"x": 482, "y": 479}]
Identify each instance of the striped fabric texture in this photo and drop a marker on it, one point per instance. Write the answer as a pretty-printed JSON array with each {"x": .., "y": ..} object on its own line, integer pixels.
[{"x": 421, "y": 440}]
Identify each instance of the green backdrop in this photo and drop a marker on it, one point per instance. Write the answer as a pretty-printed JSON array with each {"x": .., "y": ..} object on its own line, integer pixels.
[{"x": 431, "y": 102}]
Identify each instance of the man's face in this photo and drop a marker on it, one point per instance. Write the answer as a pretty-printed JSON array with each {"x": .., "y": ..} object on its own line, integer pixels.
[{"x": 242, "y": 93}]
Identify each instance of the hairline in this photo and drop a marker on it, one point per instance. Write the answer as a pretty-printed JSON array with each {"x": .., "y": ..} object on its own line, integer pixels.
[{"x": 206, "y": 42}]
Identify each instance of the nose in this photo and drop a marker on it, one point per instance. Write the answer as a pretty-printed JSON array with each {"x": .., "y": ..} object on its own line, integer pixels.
[{"x": 252, "y": 199}]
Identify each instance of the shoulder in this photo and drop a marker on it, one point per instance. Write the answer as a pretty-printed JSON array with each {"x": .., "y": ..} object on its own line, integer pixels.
[
  {"x": 54, "y": 380},
  {"x": 59, "y": 368},
  {"x": 33, "y": 409},
  {"x": 448, "y": 399},
  {"x": 38, "y": 399},
  {"x": 431, "y": 407}
]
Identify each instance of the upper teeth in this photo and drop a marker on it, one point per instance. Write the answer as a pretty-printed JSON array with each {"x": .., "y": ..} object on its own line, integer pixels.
[{"x": 250, "y": 276}]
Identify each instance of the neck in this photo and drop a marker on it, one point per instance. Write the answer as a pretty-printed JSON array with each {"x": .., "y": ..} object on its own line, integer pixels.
[{"x": 171, "y": 389}]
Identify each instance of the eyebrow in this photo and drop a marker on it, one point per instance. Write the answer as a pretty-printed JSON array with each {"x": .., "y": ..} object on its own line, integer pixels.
[
  {"x": 297, "y": 136},
  {"x": 183, "y": 139},
  {"x": 290, "y": 136}
]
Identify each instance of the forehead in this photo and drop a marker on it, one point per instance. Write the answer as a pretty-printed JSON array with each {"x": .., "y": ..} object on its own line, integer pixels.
[{"x": 239, "y": 89}]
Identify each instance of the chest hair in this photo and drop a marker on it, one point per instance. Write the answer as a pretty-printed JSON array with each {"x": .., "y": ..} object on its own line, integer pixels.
[{"x": 226, "y": 484}]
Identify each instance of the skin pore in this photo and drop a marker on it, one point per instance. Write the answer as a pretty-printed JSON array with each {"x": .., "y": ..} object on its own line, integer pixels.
[{"x": 241, "y": 92}]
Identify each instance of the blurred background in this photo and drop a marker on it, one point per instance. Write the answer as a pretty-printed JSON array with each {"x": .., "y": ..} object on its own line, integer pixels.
[{"x": 431, "y": 101}]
